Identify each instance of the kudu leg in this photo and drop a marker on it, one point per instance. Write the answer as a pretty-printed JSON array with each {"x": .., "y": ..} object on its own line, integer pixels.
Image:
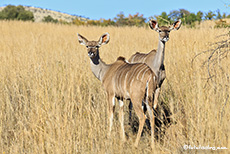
[
  {"x": 156, "y": 97},
  {"x": 138, "y": 109},
  {"x": 152, "y": 122},
  {"x": 111, "y": 105},
  {"x": 121, "y": 119}
]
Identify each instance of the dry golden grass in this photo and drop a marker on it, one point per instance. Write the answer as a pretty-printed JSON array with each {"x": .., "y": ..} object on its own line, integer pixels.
[{"x": 50, "y": 102}]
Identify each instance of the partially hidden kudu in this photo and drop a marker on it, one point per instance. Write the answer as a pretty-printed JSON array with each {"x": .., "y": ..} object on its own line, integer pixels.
[
  {"x": 123, "y": 80},
  {"x": 155, "y": 58}
]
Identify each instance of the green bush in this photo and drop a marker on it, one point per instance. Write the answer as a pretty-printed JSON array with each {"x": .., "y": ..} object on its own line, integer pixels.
[
  {"x": 12, "y": 12},
  {"x": 25, "y": 15},
  {"x": 49, "y": 19}
]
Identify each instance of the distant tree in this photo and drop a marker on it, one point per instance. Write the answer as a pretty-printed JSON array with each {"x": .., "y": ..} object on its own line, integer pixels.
[
  {"x": 25, "y": 15},
  {"x": 190, "y": 19},
  {"x": 199, "y": 16},
  {"x": 132, "y": 20},
  {"x": 2, "y": 16},
  {"x": 20, "y": 8},
  {"x": 218, "y": 16},
  {"x": 186, "y": 16},
  {"x": 178, "y": 14},
  {"x": 175, "y": 14},
  {"x": 120, "y": 19},
  {"x": 49, "y": 19},
  {"x": 78, "y": 22},
  {"x": 93, "y": 22},
  {"x": 11, "y": 12},
  {"x": 101, "y": 22},
  {"x": 184, "y": 12},
  {"x": 210, "y": 15},
  {"x": 109, "y": 22},
  {"x": 163, "y": 19},
  {"x": 136, "y": 20}
]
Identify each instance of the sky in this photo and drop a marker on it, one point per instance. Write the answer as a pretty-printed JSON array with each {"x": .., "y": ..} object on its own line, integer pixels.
[{"x": 96, "y": 9}]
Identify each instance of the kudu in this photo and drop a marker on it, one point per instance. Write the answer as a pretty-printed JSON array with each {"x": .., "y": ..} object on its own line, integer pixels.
[
  {"x": 123, "y": 80},
  {"x": 155, "y": 58}
]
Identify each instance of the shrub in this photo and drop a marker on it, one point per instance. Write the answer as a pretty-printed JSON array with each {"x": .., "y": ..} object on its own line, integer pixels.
[
  {"x": 11, "y": 12},
  {"x": 49, "y": 19},
  {"x": 222, "y": 24},
  {"x": 25, "y": 16}
]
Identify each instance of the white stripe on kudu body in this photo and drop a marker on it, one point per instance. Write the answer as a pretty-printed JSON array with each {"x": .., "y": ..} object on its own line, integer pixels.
[{"x": 123, "y": 81}]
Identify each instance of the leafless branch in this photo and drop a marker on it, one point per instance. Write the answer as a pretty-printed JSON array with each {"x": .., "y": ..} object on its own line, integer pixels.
[{"x": 217, "y": 53}]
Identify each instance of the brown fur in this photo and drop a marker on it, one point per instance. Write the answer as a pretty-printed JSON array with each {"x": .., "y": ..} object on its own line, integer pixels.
[{"x": 142, "y": 57}]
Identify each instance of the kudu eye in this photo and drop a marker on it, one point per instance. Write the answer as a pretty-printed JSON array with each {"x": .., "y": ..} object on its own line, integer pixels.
[
  {"x": 159, "y": 31},
  {"x": 87, "y": 46}
]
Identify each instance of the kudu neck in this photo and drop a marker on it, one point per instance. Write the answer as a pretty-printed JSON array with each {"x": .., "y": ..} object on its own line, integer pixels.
[
  {"x": 98, "y": 67},
  {"x": 158, "y": 60}
]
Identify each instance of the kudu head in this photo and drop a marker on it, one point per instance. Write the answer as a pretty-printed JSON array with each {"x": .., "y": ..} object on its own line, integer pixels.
[
  {"x": 93, "y": 46},
  {"x": 163, "y": 30}
]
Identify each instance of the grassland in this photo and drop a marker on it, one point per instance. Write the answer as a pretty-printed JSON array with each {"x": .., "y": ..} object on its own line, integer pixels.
[{"x": 50, "y": 102}]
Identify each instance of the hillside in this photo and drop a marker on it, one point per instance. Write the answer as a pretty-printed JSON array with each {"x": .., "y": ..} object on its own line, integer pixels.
[{"x": 40, "y": 13}]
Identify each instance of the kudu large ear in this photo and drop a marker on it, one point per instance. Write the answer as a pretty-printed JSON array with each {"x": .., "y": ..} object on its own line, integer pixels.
[
  {"x": 104, "y": 39},
  {"x": 153, "y": 25},
  {"x": 176, "y": 25},
  {"x": 82, "y": 40}
]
